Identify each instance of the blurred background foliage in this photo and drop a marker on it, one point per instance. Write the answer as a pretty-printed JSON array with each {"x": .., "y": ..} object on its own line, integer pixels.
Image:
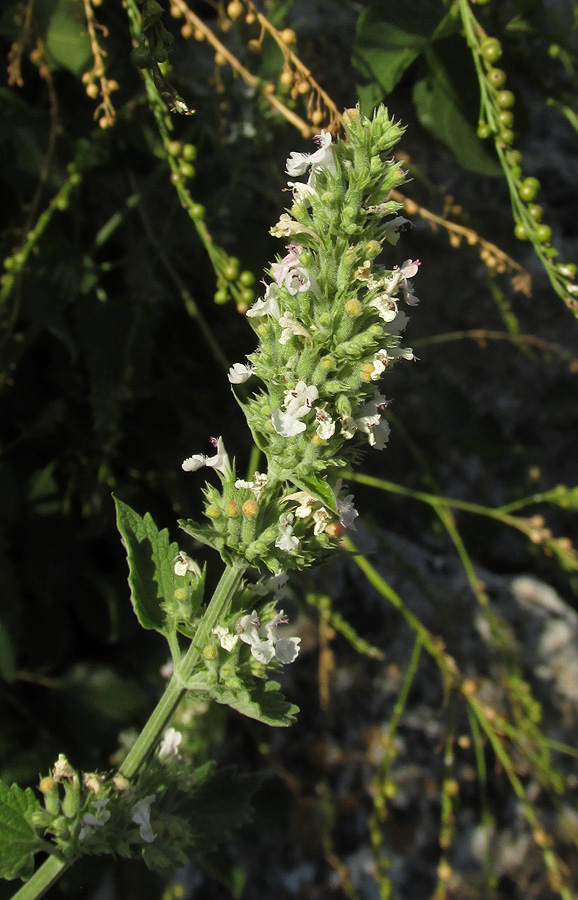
[{"x": 133, "y": 241}]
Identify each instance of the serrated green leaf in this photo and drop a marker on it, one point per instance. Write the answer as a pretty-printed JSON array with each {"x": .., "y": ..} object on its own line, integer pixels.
[
  {"x": 256, "y": 699},
  {"x": 18, "y": 839},
  {"x": 317, "y": 488},
  {"x": 389, "y": 37},
  {"x": 151, "y": 566},
  {"x": 444, "y": 101}
]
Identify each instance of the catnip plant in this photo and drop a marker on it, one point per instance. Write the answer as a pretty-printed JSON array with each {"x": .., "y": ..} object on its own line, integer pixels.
[{"x": 329, "y": 325}]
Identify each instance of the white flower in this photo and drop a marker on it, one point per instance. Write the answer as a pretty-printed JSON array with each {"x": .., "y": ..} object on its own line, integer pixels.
[
  {"x": 321, "y": 159},
  {"x": 170, "y": 744},
  {"x": 239, "y": 373},
  {"x": 220, "y": 461},
  {"x": 321, "y": 517},
  {"x": 226, "y": 639},
  {"x": 257, "y": 485},
  {"x": 267, "y": 305},
  {"x": 286, "y": 649},
  {"x": 141, "y": 816},
  {"x": 271, "y": 645},
  {"x": 286, "y": 226},
  {"x": 368, "y": 420},
  {"x": 292, "y": 327},
  {"x": 184, "y": 564},
  {"x": 325, "y": 424},
  {"x": 298, "y": 403},
  {"x": 286, "y": 540},
  {"x": 347, "y": 511}
]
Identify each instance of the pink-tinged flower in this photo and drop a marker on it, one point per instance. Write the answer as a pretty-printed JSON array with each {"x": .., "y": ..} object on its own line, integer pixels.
[
  {"x": 220, "y": 461},
  {"x": 290, "y": 328}
]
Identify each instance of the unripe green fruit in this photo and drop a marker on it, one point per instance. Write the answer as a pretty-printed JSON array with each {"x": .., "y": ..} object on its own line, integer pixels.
[
  {"x": 529, "y": 188},
  {"x": 221, "y": 296},
  {"x": 246, "y": 278},
  {"x": 536, "y": 211},
  {"x": 491, "y": 50},
  {"x": 543, "y": 233},
  {"x": 496, "y": 77},
  {"x": 520, "y": 232},
  {"x": 505, "y": 99},
  {"x": 484, "y": 130}
]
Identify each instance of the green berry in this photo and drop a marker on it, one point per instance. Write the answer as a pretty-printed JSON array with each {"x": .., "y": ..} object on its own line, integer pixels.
[
  {"x": 246, "y": 278},
  {"x": 536, "y": 212},
  {"x": 174, "y": 148},
  {"x": 247, "y": 295},
  {"x": 491, "y": 50},
  {"x": 497, "y": 78},
  {"x": 152, "y": 9},
  {"x": 505, "y": 99},
  {"x": 221, "y": 296},
  {"x": 231, "y": 269},
  {"x": 187, "y": 170},
  {"x": 528, "y": 189},
  {"x": 197, "y": 210},
  {"x": 484, "y": 130},
  {"x": 514, "y": 157},
  {"x": 506, "y": 136},
  {"x": 520, "y": 232},
  {"x": 506, "y": 118},
  {"x": 189, "y": 152},
  {"x": 543, "y": 233}
]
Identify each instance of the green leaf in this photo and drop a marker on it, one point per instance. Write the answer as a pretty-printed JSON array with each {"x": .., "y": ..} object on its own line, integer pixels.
[
  {"x": 444, "y": 103},
  {"x": 317, "y": 488},
  {"x": 217, "y": 805},
  {"x": 18, "y": 839},
  {"x": 151, "y": 556},
  {"x": 389, "y": 37},
  {"x": 65, "y": 34},
  {"x": 256, "y": 699}
]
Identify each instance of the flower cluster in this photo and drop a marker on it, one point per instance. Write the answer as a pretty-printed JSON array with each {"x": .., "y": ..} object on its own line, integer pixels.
[{"x": 329, "y": 326}]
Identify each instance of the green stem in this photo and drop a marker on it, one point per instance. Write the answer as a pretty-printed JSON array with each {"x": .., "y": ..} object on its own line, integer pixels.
[
  {"x": 220, "y": 601},
  {"x": 44, "y": 877},
  {"x": 230, "y": 581}
]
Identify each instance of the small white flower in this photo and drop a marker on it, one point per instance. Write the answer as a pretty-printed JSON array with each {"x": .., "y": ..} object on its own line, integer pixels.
[
  {"x": 240, "y": 372},
  {"x": 321, "y": 517},
  {"x": 347, "y": 511},
  {"x": 263, "y": 649},
  {"x": 325, "y": 424},
  {"x": 286, "y": 540},
  {"x": 184, "y": 564},
  {"x": 170, "y": 744},
  {"x": 257, "y": 485},
  {"x": 220, "y": 461},
  {"x": 298, "y": 403},
  {"x": 267, "y": 305},
  {"x": 226, "y": 639},
  {"x": 321, "y": 159},
  {"x": 292, "y": 327},
  {"x": 141, "y": 816}
]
